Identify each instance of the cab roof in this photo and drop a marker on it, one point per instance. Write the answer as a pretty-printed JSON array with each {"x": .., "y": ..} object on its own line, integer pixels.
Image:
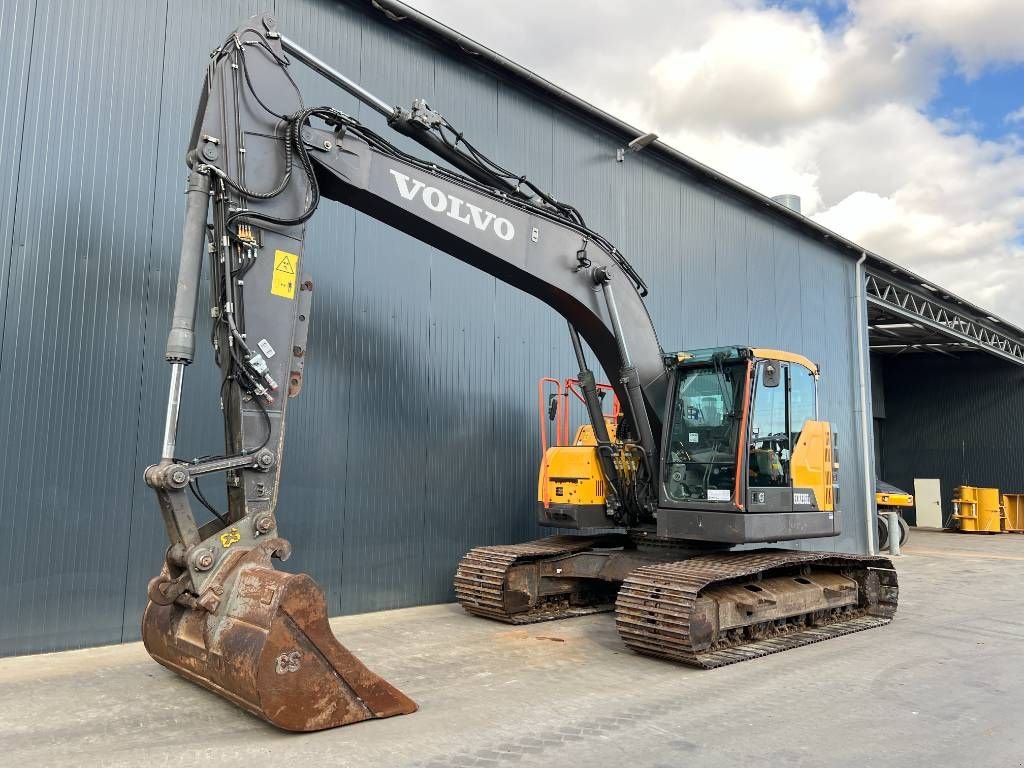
[
  {"x": 787, "y": 357},
  {"x": 707, "y": 354}
]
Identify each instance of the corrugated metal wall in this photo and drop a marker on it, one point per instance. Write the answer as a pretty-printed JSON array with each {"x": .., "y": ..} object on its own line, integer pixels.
[
  {"x": 415, "y": 437},
  {"x": 954, "y": 419}
]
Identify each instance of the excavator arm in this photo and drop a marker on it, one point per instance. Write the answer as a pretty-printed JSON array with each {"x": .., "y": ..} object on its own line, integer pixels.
[{"x": 260, "y": 162}]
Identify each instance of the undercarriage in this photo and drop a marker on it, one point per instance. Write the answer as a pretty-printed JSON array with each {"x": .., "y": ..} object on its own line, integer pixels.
[{"x": 696, "y": 606}]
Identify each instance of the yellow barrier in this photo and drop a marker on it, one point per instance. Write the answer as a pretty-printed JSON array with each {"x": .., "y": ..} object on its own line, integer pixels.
[
  {"x": 1013, "y": 512},
  {"x": 977, "y": 510}
]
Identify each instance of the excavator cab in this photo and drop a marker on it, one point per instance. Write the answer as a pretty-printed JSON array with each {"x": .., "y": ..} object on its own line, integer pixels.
[
  {"x": 744, "y": 454},
  {"x": 744, "y": 431}
]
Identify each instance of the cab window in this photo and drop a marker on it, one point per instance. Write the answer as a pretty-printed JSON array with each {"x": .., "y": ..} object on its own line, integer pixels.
[
  {"x": 801, "y": 399},
  {"x": 703, "y": 438},
  {"x": 768, "y": 464}
]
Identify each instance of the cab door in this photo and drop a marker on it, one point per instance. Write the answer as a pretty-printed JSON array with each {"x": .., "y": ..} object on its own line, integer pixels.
[
  {"x": 769, "y": 487},
  {"x": 789, "y": 464},
  {"x": 811, "y": 463}
]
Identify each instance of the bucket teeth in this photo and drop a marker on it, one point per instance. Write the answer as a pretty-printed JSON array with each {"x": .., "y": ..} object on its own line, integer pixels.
[{"x": 269, "y": 649}]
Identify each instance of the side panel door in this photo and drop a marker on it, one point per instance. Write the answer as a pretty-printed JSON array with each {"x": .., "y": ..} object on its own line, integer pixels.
[{"x": 928, "y": 498}]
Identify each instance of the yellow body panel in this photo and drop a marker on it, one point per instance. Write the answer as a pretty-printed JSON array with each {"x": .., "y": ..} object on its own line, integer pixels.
[
  {"x": 883, "y": 499},
  {"x": 811, "y": 463},
  {"x": 788, "y": 357},
  {"x": 977, "y": 510},
  {"x": 585, "y": 434},
  {"x": 571, "y": 475},
  {"x": 1013, "y": 512}
]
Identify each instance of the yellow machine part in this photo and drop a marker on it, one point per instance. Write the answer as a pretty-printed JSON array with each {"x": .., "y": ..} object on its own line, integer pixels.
[
  {"x": 883, "y": 499},
  {"x": 1013, "y": 512},
  {"x": 571, "y": 475},
  {"x": 977, "y": 510},
  {"x": 789, "y": 357},
  {"x": 585, "y": 434},
  {"x": 811, "y": 464}
]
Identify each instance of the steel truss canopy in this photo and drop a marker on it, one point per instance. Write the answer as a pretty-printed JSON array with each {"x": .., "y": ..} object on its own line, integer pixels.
[{"x": 913, "y": 316}]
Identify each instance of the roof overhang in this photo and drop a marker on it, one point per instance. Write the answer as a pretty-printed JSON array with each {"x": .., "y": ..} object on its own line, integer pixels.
[{"x": 904, "y": 317}]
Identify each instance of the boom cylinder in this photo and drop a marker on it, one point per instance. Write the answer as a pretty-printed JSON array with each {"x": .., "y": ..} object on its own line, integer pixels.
[
  {"x": 629, "y": 377},
  {"x": 181, "y": 340},
  {"x": 321, "y": 67},
  {"x": 173, "y": 404},
  {"x": 589, "y": 386}
]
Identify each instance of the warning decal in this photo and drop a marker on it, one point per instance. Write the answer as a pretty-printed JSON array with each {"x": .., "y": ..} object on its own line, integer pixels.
[{"x": 286, "y": 267}]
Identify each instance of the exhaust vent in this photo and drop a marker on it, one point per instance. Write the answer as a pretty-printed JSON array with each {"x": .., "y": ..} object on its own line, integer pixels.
[{"x": 790, "y": 201}]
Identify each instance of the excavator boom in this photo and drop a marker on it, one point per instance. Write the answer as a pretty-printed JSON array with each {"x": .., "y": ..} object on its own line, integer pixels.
[{"x": 260, "y": 161}]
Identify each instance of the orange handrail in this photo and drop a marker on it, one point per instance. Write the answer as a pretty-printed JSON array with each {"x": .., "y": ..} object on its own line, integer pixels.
[
  {"x": 562, "y": 389},
  {"x": 572, "y": 385},
  {"x": 562, "y": 424},
  {"x": 541, "y": 392}
]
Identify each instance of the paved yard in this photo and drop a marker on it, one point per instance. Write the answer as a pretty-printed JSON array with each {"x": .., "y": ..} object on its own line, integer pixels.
[{"x": 943, "y": 685}]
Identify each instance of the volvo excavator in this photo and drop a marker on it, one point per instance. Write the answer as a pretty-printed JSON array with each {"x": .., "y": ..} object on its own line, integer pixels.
[{"x": 713, "y": 448}]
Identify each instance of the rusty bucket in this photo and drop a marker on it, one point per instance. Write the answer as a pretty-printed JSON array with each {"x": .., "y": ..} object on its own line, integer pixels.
[{"x": 263, "y": 643}]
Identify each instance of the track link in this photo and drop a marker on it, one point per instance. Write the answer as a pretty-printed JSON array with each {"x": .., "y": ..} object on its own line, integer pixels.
[
  {"x": 654, "y": 612},
  {"x": 482, "y": 586}
]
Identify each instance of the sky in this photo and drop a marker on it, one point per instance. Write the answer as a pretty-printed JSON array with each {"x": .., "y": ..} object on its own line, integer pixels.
[{"x": 900, "y": 123}]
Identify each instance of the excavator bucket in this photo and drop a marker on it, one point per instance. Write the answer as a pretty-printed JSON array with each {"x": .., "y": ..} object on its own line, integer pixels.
[{"x": 267, "y": 647}]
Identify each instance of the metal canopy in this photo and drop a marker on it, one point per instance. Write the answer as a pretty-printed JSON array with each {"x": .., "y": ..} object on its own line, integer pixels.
[{"x": 905, "y": 318}]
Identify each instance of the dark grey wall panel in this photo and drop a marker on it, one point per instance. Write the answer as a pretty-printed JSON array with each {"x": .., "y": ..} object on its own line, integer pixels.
[
  {"x": 877, "y": 387},
  {"x": 416, "y": 436},
  {"x": 17, "y": 26},
  {"x": 74, "y": 312},
  {"x": 957, "y": 420}
]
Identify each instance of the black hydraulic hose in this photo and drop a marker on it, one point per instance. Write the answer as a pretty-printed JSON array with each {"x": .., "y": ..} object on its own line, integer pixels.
[{"x": 475, "y": 170}]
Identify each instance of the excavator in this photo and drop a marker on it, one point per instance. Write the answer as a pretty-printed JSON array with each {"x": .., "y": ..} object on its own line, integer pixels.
[{"x": 713, "y": 448}]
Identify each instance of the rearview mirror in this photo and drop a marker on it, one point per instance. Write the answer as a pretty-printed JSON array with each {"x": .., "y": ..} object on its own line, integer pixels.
[
  {"x": 772, "y": 375},
  {"x": 552, "y": 407}
]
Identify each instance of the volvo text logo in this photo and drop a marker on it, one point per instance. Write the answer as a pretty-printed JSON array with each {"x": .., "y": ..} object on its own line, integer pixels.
[{"x": 460, "y": 210}]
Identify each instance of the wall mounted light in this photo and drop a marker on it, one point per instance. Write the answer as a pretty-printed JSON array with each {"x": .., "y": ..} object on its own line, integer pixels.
[{"x": 635, "y": 145}]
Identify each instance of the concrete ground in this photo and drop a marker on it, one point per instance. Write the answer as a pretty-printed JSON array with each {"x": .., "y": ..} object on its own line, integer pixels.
[{"x": 943, "y": 685}]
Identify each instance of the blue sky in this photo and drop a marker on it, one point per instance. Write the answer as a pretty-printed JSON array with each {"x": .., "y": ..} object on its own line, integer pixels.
[
  {"x": 980, "y": 102},
  {"x": 984, "y": 101},
  {"x": 831, "y": 14}
]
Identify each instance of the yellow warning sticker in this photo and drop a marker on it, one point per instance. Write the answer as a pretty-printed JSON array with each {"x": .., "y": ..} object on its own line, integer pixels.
[
  {"x": 286, "y": 270},
  {"x": 230, "y": 537}
]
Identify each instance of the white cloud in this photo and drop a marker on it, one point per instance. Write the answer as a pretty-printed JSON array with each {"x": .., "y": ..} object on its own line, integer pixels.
[
  {"x": 977, "y": 32},
  {"x": 836, "y": 115},
  {"x": 767, "y": 70},
  {"x": 1017, "y": 116}
]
